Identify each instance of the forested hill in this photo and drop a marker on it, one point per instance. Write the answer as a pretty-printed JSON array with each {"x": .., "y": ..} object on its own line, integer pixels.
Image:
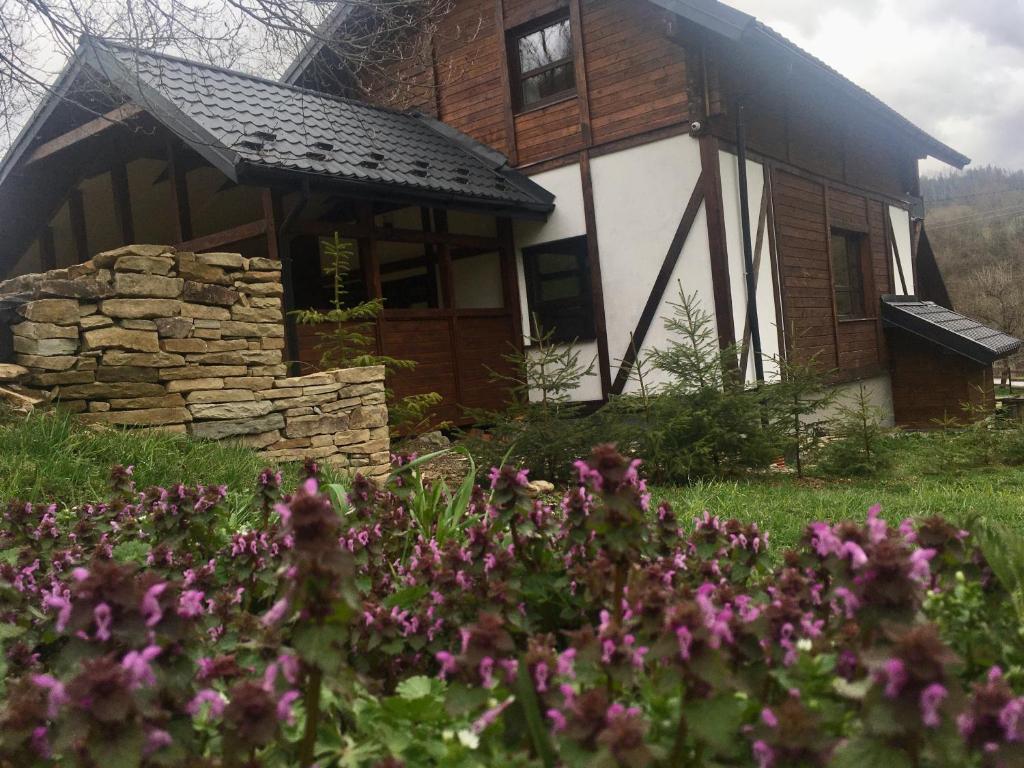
[{"x": 975, "y": 222}]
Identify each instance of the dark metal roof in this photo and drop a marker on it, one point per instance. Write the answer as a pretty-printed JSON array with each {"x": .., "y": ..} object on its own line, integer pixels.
[
  {"x": 243, "y": 124},
  {"x": 948, "y": 329}
]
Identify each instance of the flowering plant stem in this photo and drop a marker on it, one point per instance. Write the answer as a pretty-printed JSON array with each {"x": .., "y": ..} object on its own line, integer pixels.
[{"x": 307, "y": 746}]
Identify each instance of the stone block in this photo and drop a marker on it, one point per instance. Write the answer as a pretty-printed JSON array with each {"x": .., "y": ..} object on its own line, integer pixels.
[
  {"x": 159, "y": 401},
  {"x": 283, "y": 393},
  {"x": 300, "y": 454},
  {"x": 307, "y": 426},
  {"x": 45, "y": 347},
  {"x": 225, "y": 260},
  {"x": 260, "y": 289},
  {"x": 261, "y": 264},
  {"x": 206, "y": 333},
  {"x": 31, "y": 330},
  {"x": 82, "y": 288},
  {"x": 200, "y": 322},
  {"x": 292, "y": 413},
  {"x": 274, "y": 343},
  {"x": 59, "y": 311},
  {"x": 108, "y": 259},
  {"x": 110, "y": 390},
  {"x": 222, "y": 428},
  {"x": 204, "y": 293},
  {"x": 260, "y": 440},
  {"x": 304, "y": 401},
  {"x": 359, "y": 375},
  {"x": 140, "y": 417},
  {"x": 140, "y": 308},
  {"x": 138, "y": 325},
  {"x": 258, "y": 383},
  {"x": 190, "y": 268},
  {"x": 97, "y": 406},
  {"x": 236, "y": 410},
  {"x": 173, "y": 327},
  {"x": 155, "y": 286},
  {"x": 226, "y": 345},
  {"x": 264, "y": 301},
  {"x": 268, "y": 370},
  {"x": 95, "y": 321},
  {"x": 185, "y": 346},
  {"x": 143, "y": 359},
  {"x": 125, "y": 373},
  {"x": 205, "y": 312},
  {"x": 221, "y": 396},
  {"x": 256, "y": 314},
  {"x": 368, "y": 416},
  {"x": 191, "y": 385},
  {"x": 122, "y": 338},
  {"x": 72, "y": 406},
  {"x": 61, "y": 377},
  {"x": 10, "y": 372},
  {"x": 202, "y": 371},
  {"x": 255, "y": 276},
  {"x": 351, "y": 437},
  {"x": 309, "y": 380},
  {"x": 152, "y": 265},
  {"x": 321, "y": 389}
]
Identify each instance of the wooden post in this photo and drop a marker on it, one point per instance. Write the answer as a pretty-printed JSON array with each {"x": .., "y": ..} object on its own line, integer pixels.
[
  {"x": 178, "y": 176},
  {"x": 831, "y": 277},
  {"x": 122, "y": 203},
  {"x": 510, "y": 278},
  {"x": 444, "y": 261},
  {"x": 503, "y": 68},
  {"x": 580, "y": 66},
  {"x": 368, "y": 253},
  {"x": 713, "y": 208},
  {"x": 47, "y": 251},
  {"x": 79, "y": 232},
  {"x": 272, "y": 214},
  {"x": 596, "y": 286}
]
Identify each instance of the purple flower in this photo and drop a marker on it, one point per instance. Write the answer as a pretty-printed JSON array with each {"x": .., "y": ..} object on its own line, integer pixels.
[
  {"x": 137, "y": 664},
  {"x": 284, "y": 706},
  {"x": 919, "y": 570},
  {"x": 103, "y": 616},
  {"x": 447, "y": 662},
  {"x": 557, "y": 719},
  {"x": 63, "y": 606},
  {"x": 190, "y": 604},
  {"x": 768, "y": 718},
  {"x": 276, "y": 613},
  {"x": 763, "y": 754},
  {"x": 931, "y": 699},
  {"x": 56, "y": 697},
  {"x": 156, "y": 739},
  {"x": 210, "y": 697},
  {"x": 894, "y": 675},
  {"x": 1012, "y": 719},
  {"x": 151, "y": 604}
]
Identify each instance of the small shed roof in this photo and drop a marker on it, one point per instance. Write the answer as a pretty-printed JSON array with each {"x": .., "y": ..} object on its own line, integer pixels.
[
  {"x": 948, "y": 329},
  {"x": 244, "y": 124}
]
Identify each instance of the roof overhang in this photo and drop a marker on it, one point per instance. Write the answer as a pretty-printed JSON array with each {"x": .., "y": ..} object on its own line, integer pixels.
[{"x": 947, "y": 329}]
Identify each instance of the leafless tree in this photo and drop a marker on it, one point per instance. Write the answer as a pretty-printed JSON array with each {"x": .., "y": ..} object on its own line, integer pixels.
[
  {"x": 382, "y": 40},
  {"x": 995, "y": 294}
]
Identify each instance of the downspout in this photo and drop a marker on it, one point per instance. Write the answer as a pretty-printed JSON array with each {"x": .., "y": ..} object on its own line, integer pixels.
[
  {"x": 748, "y": 248},
  {"x": 284, "y": 252}
]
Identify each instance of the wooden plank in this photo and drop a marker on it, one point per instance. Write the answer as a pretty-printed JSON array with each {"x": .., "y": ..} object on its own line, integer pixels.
[
  {"x": 271, "y": 202},
  {"x": 762, "y": 220},
  {"x": 711, "y": 175},
  {"x": 444, "y": 261},
  {"x": 831, "y": 276},
  {"x": 79, "y": 232},
  {"x": 178, "y": 176},
  {"x": 396, "y": 235},
  {"x": 47, "y": 251},
  {"x": 503, "y": 66},
  {"x": 580, "y": 66},
  {"x": 92, "y": 128},
  {"x": 596, "y": 286},
  {"x": 668, "y": 265},
  {"x": 510, "y": 279},
  {"x": 225, "y": 237},
  {"x": 122, "y": 203}
]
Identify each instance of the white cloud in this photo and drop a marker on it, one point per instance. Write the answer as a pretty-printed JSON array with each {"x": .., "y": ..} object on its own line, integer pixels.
[{"x": 953, "y": 67}]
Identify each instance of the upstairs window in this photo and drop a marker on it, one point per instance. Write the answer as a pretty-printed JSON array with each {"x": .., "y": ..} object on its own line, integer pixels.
[
  {"x": 848, "y": 250},
  {"x": 558, "y": 290},
  {"x": 541, "y": 65}
]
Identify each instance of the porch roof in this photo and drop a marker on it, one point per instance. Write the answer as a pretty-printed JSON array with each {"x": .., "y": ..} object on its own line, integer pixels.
[
  {"x": 948, "y": 329},
  {"x": 246, "y": 126}
]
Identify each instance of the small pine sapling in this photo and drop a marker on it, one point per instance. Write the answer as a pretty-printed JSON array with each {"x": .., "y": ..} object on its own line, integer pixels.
[
  {"x": 860, "y": 445},
  {"x": 798, "y": 401}
]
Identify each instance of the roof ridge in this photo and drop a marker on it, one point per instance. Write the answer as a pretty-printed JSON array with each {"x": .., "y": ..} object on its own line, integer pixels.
[{"x": 256, "y": 78}]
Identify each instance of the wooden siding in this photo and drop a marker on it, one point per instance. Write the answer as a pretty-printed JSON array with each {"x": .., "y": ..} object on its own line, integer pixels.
[{"x": 805, "y": 210}]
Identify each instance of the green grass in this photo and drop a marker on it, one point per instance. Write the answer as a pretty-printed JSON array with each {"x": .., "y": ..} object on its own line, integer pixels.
[
  {"x": 922, "y": 483},
  {"x": 48, "y": 457}
]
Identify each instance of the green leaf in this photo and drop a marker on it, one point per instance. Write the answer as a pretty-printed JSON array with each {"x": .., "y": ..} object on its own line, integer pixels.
[
  {"x": 415, "y": 688},
  {"x": 9, "y": 631},
  {"x": 527, "y": 698},
  {"x": 863, "y": 751},
  {"x": 407, "y": 597},
  {"x": 716, "y": 721}
]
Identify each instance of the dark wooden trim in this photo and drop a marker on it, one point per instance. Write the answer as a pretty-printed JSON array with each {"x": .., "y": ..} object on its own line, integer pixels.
[
  {"x": 79, "y": 230},
  {"x": 668, "y": 265},
  {"x": 178, "y": 176},
  {"x": 92, "y": 128},
  {"x": 773, "y": 252},
  {"x": 122, "y": 203},
  {"x": 368, "y": 252},
  {"x": 580, "y": 66},
  {"x": 389, "y": 234},
  {"x": 444, "y": 260},
  {"x": 225, "y": 237},
  {"x": 762, "y": 221},
  {"x": 894, "y": 254},
  {"x": 596, "y": 286},
  {"x": 608, "y": 147},
  {"x": 510, "y": 278},
  {"x": 503, "y": 65},
  {"x": 711, "y": 175},
  {"x": 271, "y": 202},
  {"x": 828, "y": 263},
  {"x": 47, "y": 251}
]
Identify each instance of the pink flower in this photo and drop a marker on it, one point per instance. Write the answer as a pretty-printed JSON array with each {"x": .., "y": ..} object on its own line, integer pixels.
[
  {"x": 931, "y": 699},
  {"x": 284, "y": 706},
  {"x": 685, "y": 640},
  {"x": 156, "y": 739},
  {"x": 877, "y": 529},
  {"x": 210, "y": 697},
  {"x": 190, "y": 604},
  {"x": 151, "y": 605},
  {"x": 56, "y": 697},
  {"x": 894, "y": 676},
  {"x": 1012, "y": 719},
  {"x": 137, "y": 664},
  {"x": 567, "y": 663},
  {"x": 488, "y": 717},
  {"x": 63, "y": 606},
  {"x": 852, "y": 550},
  {"x": 557, "y": 719},
  {"x": 540, "y": 677},
  {"x": 768, "y": 718},
  {"x": 103, "y": 616},
  {"x": 919, "y": 570},
  {"x": 447, "y": 662},
  {"x": 276, "y": 613},
  {"x": 763, "y": 754}
]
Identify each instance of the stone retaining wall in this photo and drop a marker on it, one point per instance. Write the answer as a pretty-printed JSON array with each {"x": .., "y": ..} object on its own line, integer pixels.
[{"x": 144, "y": 336}]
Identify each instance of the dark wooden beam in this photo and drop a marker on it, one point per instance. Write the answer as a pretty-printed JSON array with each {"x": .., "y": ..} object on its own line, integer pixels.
[
  {"x": 762, "y": 223},
  {"x": 92, "y": 128},
  {"x": 444, "y": 261},
  {"x": 596, "y": 286},
  {"x": 47, "y": 251},
  {"x": 394, "y": 235},
  {"x": 711, "y": 174},
  {"x": 368, "y": 256},
  {"x": 895, "y": 254},
  {"x": 503, "y": 58},
  {"x": 580, "y": 66},
  {"x": 668, "y": 266},
  {"x": 831, "y": 276},
  {"x": 178, "y": 175},
  {"x": 510, "y": 278},
  {"x": 271, "y": 202},
  {"x": 79, "y": 233},
  {"x": 122, "y": 203},
  {"x": 225, "y": 237}
]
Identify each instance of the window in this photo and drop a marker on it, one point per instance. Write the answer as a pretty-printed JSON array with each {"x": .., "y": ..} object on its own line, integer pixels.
[
  {"x": 558, "y": 289},
  {"x": 541, "y": 64},
  {"x": 848, "y": 272}
]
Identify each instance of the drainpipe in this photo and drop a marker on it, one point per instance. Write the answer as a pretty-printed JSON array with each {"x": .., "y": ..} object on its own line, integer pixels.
[
  {"x": 284, "y": 253},
  {"x": 748, "y": 249}
]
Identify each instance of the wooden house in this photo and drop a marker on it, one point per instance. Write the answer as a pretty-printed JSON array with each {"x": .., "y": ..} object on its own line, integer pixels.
[{"x": 572, "y": 161}]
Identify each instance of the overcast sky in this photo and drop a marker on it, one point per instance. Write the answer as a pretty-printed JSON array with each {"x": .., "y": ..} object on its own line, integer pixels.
[{"x": 953, "y": 67}]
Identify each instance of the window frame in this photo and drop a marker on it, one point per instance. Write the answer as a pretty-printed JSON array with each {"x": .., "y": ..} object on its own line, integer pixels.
[
  {"x": 516, "y": 75},
  {"x": 855, "y": 284},
  {"x": 573, "y": 246}
]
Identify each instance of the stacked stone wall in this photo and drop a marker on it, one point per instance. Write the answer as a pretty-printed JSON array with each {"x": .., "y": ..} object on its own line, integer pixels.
[{"x": 144, "y": 336}]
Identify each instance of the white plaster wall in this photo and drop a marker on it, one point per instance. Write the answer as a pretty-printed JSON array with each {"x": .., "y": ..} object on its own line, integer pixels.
[
  {"x": 476, "y": 281},
  {"x": 765, "y": 286},
  {"x": 879, "y": 389},
  {"x": 640, "y": 195},
  {"x": 567, "y": 220},
  {"x": 901, "y": 230}
]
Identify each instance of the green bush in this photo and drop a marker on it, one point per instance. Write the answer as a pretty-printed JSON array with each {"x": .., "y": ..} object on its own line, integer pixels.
[{"x": 860, "y": 446}]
